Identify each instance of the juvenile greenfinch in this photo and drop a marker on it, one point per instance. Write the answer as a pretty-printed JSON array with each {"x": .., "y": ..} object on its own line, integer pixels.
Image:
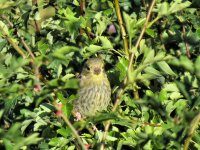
[{"x": 94, "y": 93}]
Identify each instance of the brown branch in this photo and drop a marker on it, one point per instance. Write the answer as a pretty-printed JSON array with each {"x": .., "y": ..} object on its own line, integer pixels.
[
  {"x": 122, "y": 28},
  {"x": 186, "y": 42}
]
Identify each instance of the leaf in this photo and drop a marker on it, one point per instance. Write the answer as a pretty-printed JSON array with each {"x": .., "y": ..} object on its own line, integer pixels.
[
  {"x": 67, "y": 109},
  {"x": 150, "y": 32},
  {"x": 47, "y": 107},
  {"x": 3, "y": 27},
  {"x": 159, "y": 56},
  {"x": 43, "y": 47},
  {"x": 186, "y": 63},
  {"x": 64, "y": 132},
  {"x": 197, "y": 67},
  {"x": 72, "y": 84},
  {"x": 153, "y": 71},
  {"x": 106, "y": 44},
  {"x": 163, "y": 9},
  {"x": 178, "y": 5},
  {"x": 149, "y": 57},
  {"x": 165, "y": 68},
  {"x": 183, "y": 90},
  {"x": 61, "y": 52},
  {"x": 130, "y": 25},
  {"x": 122, "y": 67}
]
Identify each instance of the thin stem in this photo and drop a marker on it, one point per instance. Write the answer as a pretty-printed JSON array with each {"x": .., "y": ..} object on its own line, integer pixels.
[
  {"x": 186, "y": 42},
  {"x": 107, "y": 125},
  {"x": 122, "y": 28},
  {"x": 74, "y": 132},
  {"x": 14, "y": 45},
  {"x": 193, "y": 127},
  {"x": 19, "y": 36},
  {"x": 153, "y": 21},
  {"x": 141, "y": 35}
]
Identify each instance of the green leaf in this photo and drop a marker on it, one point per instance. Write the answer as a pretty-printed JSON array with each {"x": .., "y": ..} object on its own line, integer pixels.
[
  {"x": 43, "y": 47},
  {"x": 149, "y": 57},
  {"x": 178, "y": 5},
  {"x": 130, "y": 25},
  {"x": 153, "y": 71},
  {"x": 64, "y": 132},
  {"x": 72, "y": 84},
  {"x": 106, "y": 44},
  {"x": 165, "y": 68},
  {"x": 67, "y": 109},
  {"x": 150, "y": 32},
  {"x": 186, "y": 63},
  {"x": 197, "y": 67},
  {"x": 47, "y": 107},
  {"x": 163, "y": 9},
  {"x": 122, "y": 67},
  {"x": 61, "y": 52}
]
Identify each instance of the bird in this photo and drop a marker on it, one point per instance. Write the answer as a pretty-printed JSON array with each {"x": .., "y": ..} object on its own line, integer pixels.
[{"x": 94, "y": 94}]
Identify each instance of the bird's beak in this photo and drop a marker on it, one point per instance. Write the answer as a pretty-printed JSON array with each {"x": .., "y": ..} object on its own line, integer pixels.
[{"x": 97, "y": 71}]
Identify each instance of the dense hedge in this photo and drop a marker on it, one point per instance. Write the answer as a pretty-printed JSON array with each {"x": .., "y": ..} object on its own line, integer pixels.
[{"x": 151, "y": 52}]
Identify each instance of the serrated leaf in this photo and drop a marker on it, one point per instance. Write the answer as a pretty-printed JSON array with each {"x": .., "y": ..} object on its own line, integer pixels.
[
  {"x": 106, "y": 44},
  {"x": 149, "y": 57},
  {"x": 187, "y": 63},
  {"x": 47, "y": 107},
  {"x": 61, "y": 52},
  {"x": 4, "y": 27},
  {"x": 64, "y": 132},
  {"x": 122, "y": 67},
  {"x": 159, "y": 56},
  {"x": 93, "y": 48},
  {"x": 153, "y": 71},
  {"x": 197, "y": 67},
  {"x": 165, "y": 68},
  {"x": 67, "y": 109},
  {"x": 150, "y": 32},
  {"x": 72, "y": 84},
  {"x": 178, "y": 5},
  {"x": 163, "y": 9}
]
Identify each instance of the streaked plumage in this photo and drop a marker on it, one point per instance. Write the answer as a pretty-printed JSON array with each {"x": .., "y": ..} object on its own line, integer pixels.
[{"x": 95, "y": 92}]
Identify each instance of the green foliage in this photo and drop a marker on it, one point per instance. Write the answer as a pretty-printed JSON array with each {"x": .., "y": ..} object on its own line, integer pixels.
[{"x": 43, "y": 45}]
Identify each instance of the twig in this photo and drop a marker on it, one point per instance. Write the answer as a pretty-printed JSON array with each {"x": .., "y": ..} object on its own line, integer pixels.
[
  {"x": 186, "y": 42},
  {"x": 107, "y": 125},
  {"x": 193, "y": 126},
  {"x": 122, "y": 28},
  {"x": 121, "y": 90},
  {"x": 14, "y": 45},
  {"x": 141, "y": 35},
  {"x": 82, "y": 7},
  {"x": 19, "y": 36},
  {"x": 74, "y": 132}
]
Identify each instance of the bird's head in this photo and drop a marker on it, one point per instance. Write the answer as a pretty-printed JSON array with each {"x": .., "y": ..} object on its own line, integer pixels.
[{"x": 94, "y": 67}]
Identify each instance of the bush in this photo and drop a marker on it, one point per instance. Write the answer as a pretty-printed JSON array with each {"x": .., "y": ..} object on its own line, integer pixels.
[{"x": 151, "y": 52}]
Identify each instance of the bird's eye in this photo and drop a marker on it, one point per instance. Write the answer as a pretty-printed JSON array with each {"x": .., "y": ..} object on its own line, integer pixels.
[{"x": 87, "y": 67}]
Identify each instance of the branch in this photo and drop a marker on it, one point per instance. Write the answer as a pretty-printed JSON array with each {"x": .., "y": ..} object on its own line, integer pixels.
[
  {"x": 141, "y": 35},
  {"x": 74, "y": 132},
  {"x": 193, "y": 127},
  {"x": 186, "y": 42},
  {"x": 121, "y": 24},
  {"x": 107, "y": 125},
  {"x": 14, "y": 45},
  {"x": 19, "y": 36}
]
